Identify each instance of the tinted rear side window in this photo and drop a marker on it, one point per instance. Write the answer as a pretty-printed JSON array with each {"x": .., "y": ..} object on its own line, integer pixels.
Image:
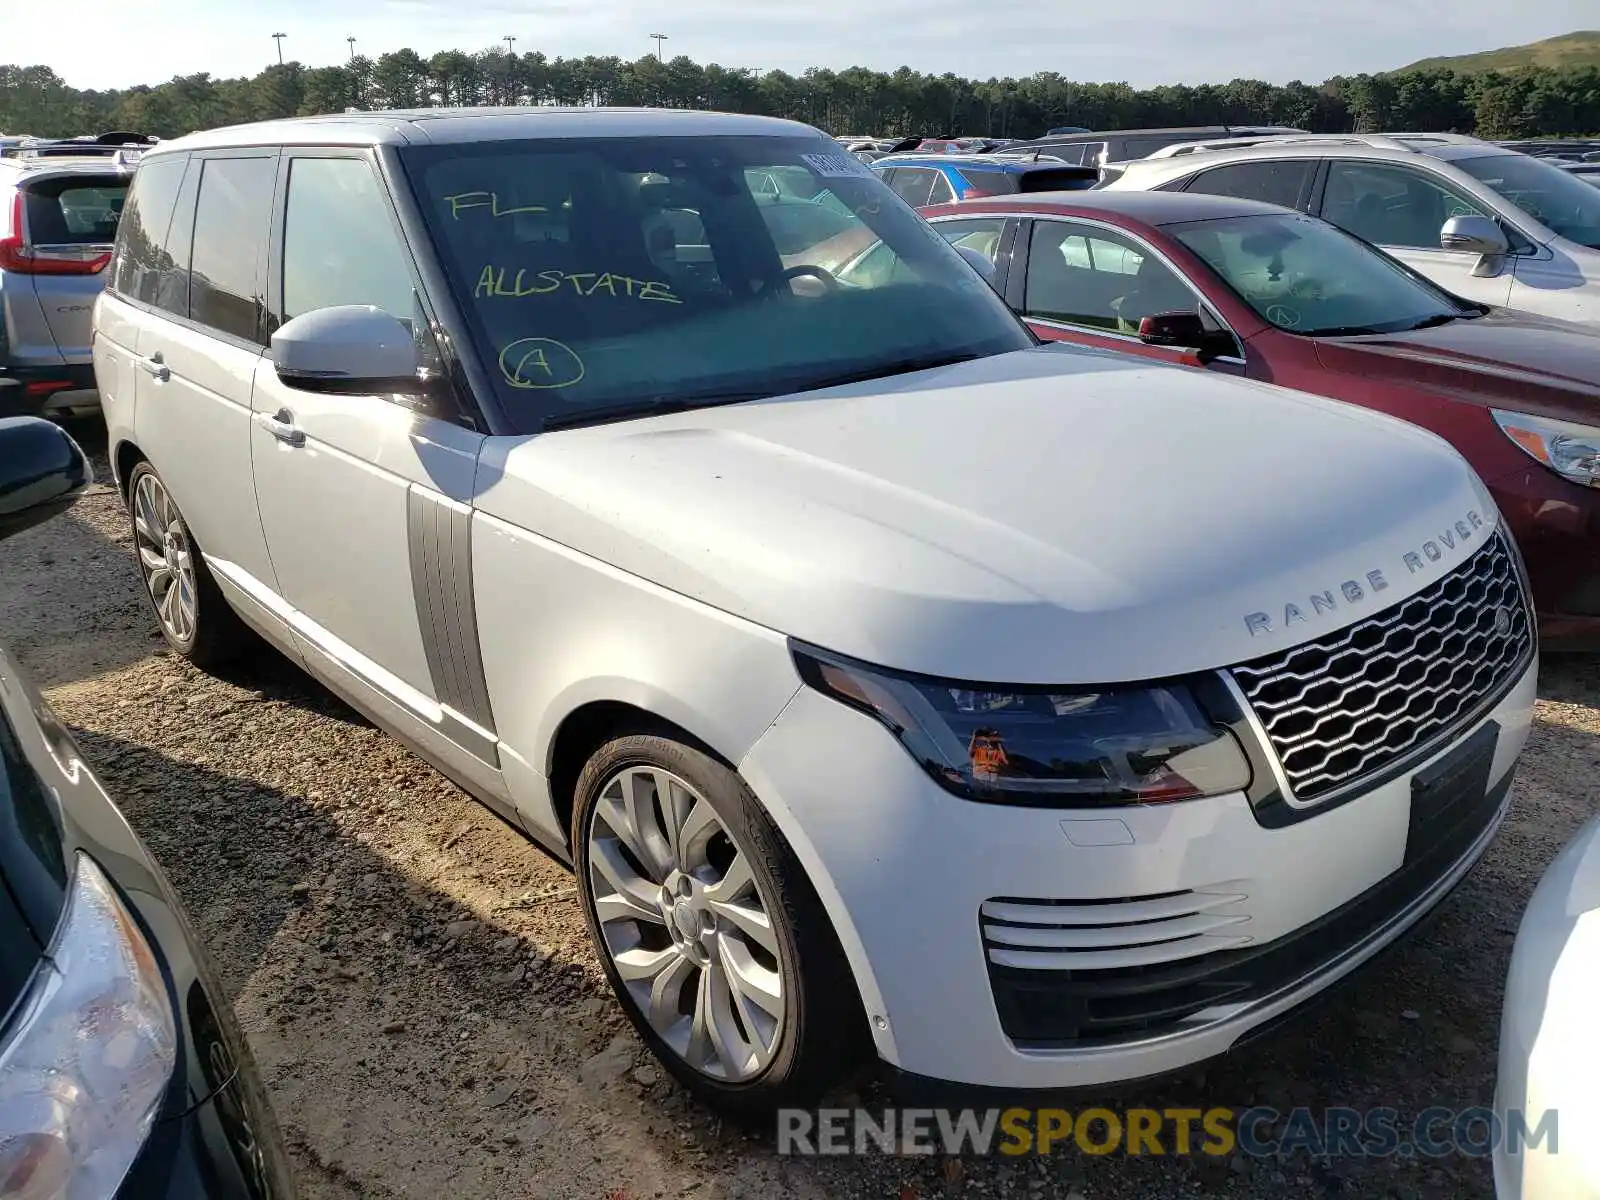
[
  {"x": 1280, "y": 182},
  {"x": 226, "y": 290},
  {"x": 75, "y": 211},
  {"x": 989, "y": 183},
  {"x": 142, "y": 252},
  {"x": 1065, "y": 179}
]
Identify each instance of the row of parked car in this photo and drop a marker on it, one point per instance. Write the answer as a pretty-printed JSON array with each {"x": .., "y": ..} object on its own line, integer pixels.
[{"x": 676, "y": 489}]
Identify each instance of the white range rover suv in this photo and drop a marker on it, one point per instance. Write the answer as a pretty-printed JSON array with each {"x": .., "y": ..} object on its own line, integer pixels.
[{"x": 1029, "y": 717}]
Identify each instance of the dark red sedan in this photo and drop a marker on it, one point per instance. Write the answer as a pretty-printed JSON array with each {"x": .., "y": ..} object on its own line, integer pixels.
[{"x": 1271, "y": 294}]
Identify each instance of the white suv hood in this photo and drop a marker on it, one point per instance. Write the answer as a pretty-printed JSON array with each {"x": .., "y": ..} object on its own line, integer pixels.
[{"x": 1047, "y": 516}]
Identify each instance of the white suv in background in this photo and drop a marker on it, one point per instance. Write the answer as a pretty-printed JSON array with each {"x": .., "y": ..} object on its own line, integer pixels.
[
  {"x": 1487, "y": 223},
  {"x": 1032, "y": 717}
]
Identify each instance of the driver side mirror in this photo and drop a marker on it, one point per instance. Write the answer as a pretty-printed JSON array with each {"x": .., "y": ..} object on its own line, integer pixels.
[
  {"x": 1186, "y": 330},
  {"x": 42, "y": 471},
  {"x": 350, "y": 349},
  {"x": 1477, "y": 235}
]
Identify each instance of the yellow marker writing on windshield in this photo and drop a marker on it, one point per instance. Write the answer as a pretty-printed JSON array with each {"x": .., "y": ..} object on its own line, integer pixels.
[
  {"x": 467, "y": 200},
  {"x": 537, "y": 363},
  {"x": 492, "y": 281}
]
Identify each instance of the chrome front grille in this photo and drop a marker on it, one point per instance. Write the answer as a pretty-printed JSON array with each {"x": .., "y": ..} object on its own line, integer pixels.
[{"x": 1346, "y": 705}]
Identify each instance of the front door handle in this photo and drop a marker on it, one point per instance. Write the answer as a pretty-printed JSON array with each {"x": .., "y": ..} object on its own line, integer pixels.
[
  {"x": 156, "y": 366},
  {"x": 283, "y": 428}
]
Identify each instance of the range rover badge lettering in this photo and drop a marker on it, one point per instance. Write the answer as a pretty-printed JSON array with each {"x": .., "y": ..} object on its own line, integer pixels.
[{"x": 1355, "y": 591}]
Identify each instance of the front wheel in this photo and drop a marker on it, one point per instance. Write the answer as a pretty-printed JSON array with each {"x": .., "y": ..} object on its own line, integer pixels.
[{"x": 709, "y": 931}]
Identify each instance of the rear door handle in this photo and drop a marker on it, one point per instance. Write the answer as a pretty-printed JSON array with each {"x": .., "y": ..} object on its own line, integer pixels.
[
  {"x": 155, "y": 365},
  {"x": 282, "y": 427}
]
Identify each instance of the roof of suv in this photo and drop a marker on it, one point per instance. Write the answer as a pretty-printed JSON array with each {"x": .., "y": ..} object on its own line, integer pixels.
[
  {"x": 401, "y": 127},
  {"x": 1144, "y": 170},
  {"x": 1150, "y": 208}
]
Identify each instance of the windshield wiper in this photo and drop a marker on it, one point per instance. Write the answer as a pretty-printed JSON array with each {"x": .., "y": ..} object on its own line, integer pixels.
[
  {"x": 656, "y": 407},
  {"x": 1437, "y": 319}
]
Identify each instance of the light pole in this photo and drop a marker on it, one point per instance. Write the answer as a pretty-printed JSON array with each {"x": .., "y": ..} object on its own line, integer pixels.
[
  {"x": 511, "y": 68},
  {"x": 659, "y": 38},
  {"x": 351, "y": 39},
  {"x": 511, "y": 43},
  {"x": 278, "y": 39}
]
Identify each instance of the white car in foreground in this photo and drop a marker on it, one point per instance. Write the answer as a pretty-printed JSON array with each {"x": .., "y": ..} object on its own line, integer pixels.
[
  {"x": 1025, "y": 717},
  {"x": 1549, "y": 1042}
]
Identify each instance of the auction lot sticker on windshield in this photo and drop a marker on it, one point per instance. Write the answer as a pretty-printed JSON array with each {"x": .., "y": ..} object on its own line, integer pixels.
[{"x": 836, "y": 166}]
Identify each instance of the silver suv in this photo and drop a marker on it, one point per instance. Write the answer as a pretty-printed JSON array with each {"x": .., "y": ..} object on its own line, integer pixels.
[
  {"x": 1485, "y": 222},
  {"x": 58, "y": 218}
]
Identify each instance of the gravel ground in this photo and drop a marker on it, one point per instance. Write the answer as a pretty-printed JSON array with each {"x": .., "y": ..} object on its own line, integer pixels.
[{"x": 416, "y": 983}]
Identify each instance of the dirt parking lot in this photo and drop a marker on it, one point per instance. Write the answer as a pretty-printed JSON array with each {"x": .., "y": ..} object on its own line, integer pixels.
[{"x": 416, "y": 984}]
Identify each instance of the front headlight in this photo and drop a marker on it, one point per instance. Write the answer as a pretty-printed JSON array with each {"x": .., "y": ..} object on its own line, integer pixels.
[
  {"x": 1065, "y": 747},
  {"x": 85, "y": 1066},
  {"x": 1572, "y": 451}
]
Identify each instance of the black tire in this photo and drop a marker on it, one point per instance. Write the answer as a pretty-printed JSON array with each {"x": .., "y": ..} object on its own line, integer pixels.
[
  {"x": 824, "y": 1036},
  {"x": 219, "y": 637}
]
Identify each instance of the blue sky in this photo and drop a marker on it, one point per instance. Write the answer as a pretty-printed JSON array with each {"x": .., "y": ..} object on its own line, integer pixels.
[{"x": 123, "y": 42}]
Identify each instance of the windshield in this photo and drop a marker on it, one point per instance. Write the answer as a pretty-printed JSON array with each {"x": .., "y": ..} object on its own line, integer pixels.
[
  {"x": 1309, "y": 277},
  {"x": 1549, "y": 195},
  {"x": 615, "y": 275}
]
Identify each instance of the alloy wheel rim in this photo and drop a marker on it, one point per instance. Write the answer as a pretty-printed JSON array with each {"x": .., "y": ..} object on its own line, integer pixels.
[
  {"x": 684, "y": 924},
  {"x": 166, "y": 557}
]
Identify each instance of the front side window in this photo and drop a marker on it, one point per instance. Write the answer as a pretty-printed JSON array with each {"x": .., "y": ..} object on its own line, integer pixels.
[
  {"x": 1391, "y": 206},
  {"x": 142, "y": 252},
  {"x": 1277, "y": 182},
  {"x": 1557, "y": 199},
  {"x": 608, "y": 276},
  {"x": 340, "y": 245},
  {"x": 1305, "y": 276},
  {"x": 942, "y": 192},
  {"x": 1085, "y": 275},
  {"x": 230, "y": 227}
]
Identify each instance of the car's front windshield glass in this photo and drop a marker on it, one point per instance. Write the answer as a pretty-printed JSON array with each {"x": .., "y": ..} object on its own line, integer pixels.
[
  {"x": 1309, "y": 277},
  {"x": 615, "y": 275},
  {"x": 1555, "y": 198}
]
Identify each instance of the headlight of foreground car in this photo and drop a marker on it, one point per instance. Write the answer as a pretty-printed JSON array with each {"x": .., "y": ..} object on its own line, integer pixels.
[
  {"x": 1031, "y": 745},
  {"x": 84, "y": 1068},
  {"x": 1570, "y": 450}
]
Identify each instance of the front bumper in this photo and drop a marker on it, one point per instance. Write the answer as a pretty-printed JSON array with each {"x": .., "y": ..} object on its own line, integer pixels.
[{"x": 914, "y": 877}]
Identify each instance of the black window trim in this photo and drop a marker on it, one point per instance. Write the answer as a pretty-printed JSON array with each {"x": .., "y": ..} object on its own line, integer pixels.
[
  {"x": 476, "y": 401},
  {"x": 1034, "y": 220}
]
